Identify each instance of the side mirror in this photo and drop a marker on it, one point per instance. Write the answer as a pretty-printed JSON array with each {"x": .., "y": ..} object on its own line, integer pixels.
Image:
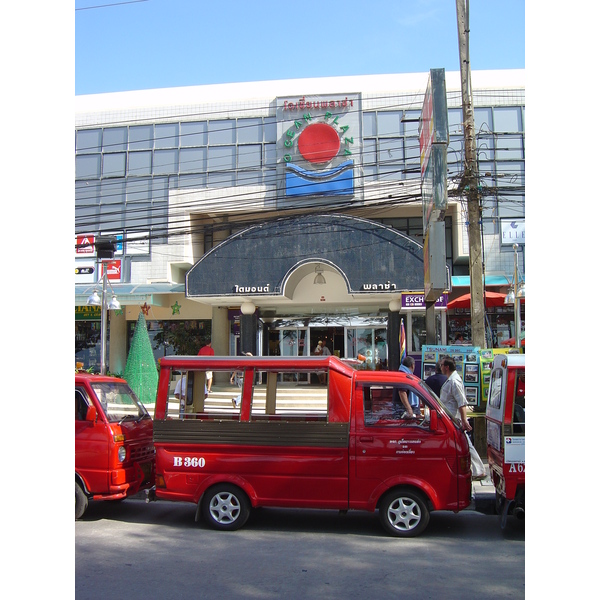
[
  {"x": 91, "y": 414},
  {"x": 433, "y": 420}
]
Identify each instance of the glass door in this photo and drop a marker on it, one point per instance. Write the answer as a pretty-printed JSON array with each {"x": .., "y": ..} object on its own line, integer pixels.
[{"x": 294, "y": 341}]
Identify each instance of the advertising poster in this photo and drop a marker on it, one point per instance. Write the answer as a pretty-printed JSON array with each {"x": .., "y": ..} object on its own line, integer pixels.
[
  {"x": 487, "y": 359},
  {"x": 467, "y": 359}
]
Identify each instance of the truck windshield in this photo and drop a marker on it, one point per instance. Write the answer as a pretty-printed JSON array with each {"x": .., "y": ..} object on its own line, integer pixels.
[{"x": 118, "y": 401}]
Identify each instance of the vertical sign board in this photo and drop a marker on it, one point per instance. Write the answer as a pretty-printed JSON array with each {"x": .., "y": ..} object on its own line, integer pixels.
[
  {"x": 433, "y": 142},
  {"x": 318, "y": 149}
]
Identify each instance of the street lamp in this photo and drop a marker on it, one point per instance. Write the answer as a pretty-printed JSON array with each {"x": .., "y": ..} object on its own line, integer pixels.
[
  {"x": 516, "y": 292},
  {"x": 105, "y": 248}
]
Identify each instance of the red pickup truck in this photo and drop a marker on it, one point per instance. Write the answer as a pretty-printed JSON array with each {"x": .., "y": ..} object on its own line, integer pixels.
[
  {"x": 345, "y": 445},
  {"x": 114, "y": 454}
]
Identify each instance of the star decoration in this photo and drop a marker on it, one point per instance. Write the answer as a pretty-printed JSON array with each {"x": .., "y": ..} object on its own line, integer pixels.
[
  {"x": 145, "y": 309},
  {"x": 175, "y": 307}
]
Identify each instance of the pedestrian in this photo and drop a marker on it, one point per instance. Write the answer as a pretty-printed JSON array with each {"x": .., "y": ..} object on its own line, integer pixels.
[
  {"x": 237, "y": 378},
  {"x": 452, "y": 394},
  {"x": 207, "y": 350},
  {"x": 324, "y": 352},
  {"x": 408, "y": 366},
  {"x": 437, "y": 380}
]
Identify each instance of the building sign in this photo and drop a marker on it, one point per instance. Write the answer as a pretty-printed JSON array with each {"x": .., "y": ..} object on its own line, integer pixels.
[
  {"x": 513, "y": 231},
  {"x": 113, "y": 270},
  {"x": 87, "y": 313},
  {"x": 416, "y": 300},
  {"x": 84, "y": 245},
  {"x": 85, "y": 272},
  {"x": 318, "y": 147},
  {"x": 433, "y": 143}
]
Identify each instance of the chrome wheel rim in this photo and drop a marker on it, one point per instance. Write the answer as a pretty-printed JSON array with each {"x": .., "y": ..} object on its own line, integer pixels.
[
  {"x": 225, "y": 508},
  {"x": 404, "y": 514}
]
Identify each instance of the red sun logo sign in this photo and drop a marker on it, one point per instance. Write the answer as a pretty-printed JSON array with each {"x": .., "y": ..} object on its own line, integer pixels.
[{"x": 318, "y": 143}]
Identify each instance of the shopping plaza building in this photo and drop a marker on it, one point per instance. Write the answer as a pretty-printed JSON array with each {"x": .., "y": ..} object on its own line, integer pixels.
[{"x": 269, "y": 216}]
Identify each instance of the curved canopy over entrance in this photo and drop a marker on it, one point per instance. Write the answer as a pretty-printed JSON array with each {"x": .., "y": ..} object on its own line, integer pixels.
[{"x": 270, "y": 260}]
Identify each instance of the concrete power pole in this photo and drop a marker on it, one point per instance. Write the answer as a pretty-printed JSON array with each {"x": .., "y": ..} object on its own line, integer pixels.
[{"x": 470, "y": 181}]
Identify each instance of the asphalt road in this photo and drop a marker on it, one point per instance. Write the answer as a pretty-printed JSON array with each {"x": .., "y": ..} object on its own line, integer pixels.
[{"x": 134, "y": 550}]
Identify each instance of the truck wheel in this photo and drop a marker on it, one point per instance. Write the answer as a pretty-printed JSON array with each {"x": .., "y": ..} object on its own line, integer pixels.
[
  {"x": 225, "y": 507},
  {"x": 403, "y": 513},
  {"x": 81, "y": 502}
]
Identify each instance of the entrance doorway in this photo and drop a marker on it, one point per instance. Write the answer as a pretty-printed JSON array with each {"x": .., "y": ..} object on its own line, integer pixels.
[{"x": 332, "y": 337}]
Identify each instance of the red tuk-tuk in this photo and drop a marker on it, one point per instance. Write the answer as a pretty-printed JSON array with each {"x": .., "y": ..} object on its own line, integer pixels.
[{"x": 505, "y": 419}]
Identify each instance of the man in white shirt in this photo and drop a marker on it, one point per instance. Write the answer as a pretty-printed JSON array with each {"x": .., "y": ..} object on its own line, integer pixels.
[{"x": 452, "y": 394}]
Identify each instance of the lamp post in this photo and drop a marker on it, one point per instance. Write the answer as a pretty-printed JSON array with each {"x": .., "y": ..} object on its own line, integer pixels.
[{"x": 514, "y": 296}]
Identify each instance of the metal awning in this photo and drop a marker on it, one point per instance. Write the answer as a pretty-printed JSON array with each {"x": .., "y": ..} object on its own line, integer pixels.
[
  {"x": 129, "y": 293},
  {"x": 490, "y": 280}
]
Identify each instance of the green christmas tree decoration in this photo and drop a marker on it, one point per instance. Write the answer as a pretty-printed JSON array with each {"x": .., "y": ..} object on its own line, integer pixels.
[{"x": 140, "y": 371}]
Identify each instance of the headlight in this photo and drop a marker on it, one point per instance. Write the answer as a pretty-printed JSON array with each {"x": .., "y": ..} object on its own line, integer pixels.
[{"x": 122, "y": 453}]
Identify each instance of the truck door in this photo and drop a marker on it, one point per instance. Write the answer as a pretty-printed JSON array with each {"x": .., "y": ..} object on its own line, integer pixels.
[
  {"x": 91, "y": 444},
  {"x": 394, "y": 449}
]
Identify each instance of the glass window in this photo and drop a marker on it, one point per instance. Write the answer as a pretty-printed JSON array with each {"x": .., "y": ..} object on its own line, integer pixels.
[
  {"x": 369, "y": 124},
  {"x": 114, "y": 139},
  {"x": 221, "y": 132},
  {"x": 483, "y": 120},
  {"x": 166, "y": 135},
  {"x": 141, "y": 137},
  {"x": 221, "y": 179},
  {"x": 139, "y": 190},
  {"x": 369, "y": 151},
  {"x": 87, "y": 166},
  {"x": 411, "y": 122},
  {"x": 455, "y": 117},
  {"x": 507, "y": 119},
  {"x": 419, "y": 331},
  {"x": 193, "y": 134},
  {"x": 391, "y": 150},
  {"x": 249, "y": 131},
  {"x": 270, "y": 126},
  {"x": 140, "y": 163},
  {"x": 390, "y": 123},
  {"x": 192, "y": 181},
  {"x": 485, "y": 147},
  {"x": 88, "y": 141},
  {"x": 270, "y": 155},
  {"x": 113, "y": 165},
  {"x": 383, "y": 406},
  {"x": 165, "y": 162},
  {"x": 221, "y": 158},
  {"x": 412, "y": 150},
  {"x": 391, "y": 173},
  {"x": 509, "y": 147},
  {"x": 249, "y": 157},
  {"x": 192, "y": 160},
  {"x": 249, "y": 177},
  {"x": 112, "y": 191}
]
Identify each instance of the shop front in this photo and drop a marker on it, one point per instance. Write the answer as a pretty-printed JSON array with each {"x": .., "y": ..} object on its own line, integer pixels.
[{"x": 310, "y": 279}]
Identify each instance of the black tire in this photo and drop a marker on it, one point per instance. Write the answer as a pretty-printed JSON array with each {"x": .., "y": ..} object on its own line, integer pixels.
[
  {"x": 225, "y": 507},
  {"x": 403, "y": 513},
  {"x": 81, "y": 502}
]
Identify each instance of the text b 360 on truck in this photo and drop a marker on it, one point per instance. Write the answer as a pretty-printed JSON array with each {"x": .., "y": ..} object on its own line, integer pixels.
[
  {"x": 348, "y": 447},
  {"x": 114, "y": 453}
]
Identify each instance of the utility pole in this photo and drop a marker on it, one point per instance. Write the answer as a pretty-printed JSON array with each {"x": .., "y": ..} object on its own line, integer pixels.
[{"x": 470, "y": 180}]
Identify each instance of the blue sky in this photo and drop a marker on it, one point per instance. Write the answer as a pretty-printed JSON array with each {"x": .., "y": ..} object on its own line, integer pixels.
[{"x": 168, "y": 43}]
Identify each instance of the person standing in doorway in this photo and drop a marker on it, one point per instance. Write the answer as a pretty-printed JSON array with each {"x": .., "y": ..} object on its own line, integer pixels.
[
  {"x": 452, "y": 394},
  {"x": 207, "y": 350},
  {"x": 324, "y": 352}
]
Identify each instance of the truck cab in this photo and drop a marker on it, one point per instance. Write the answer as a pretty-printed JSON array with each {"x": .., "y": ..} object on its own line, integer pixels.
[
  {"x": 114, "y": 452},
  {"x": 505, "y": 422}
]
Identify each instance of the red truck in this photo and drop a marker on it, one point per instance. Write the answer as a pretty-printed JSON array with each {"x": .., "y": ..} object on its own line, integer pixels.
[
  {"x": 114, "y": 453},
  {"x": 505, "y": 420},
  {"x": 345, "y": 445}
]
